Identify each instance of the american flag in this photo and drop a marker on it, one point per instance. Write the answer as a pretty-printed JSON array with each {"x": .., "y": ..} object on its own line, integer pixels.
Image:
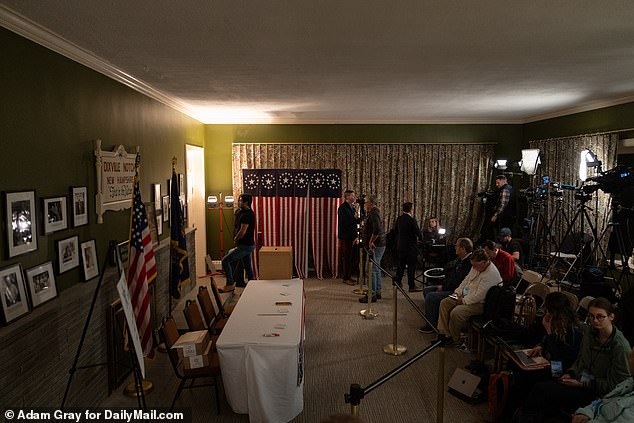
[{"x": 142, "y": 269}]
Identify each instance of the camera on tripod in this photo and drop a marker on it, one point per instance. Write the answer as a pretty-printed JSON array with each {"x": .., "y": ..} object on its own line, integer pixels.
[
  {"x": 539, "y": 193},
  {"x": 614, "y": 180}
]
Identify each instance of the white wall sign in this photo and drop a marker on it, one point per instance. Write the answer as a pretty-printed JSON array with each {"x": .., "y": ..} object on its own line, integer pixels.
[{"x": 115, "y": 179}]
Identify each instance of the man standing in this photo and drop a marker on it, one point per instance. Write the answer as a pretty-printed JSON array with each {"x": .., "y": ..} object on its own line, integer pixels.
[
  {"x": 469, "y": 297},
  {"x": 347, "y": 233},
  {"x": 504, "y": 212},
  {"x": 502, "y": 260},
  {"x": 374, "y": 240},
  {"x": 243, "y": 237},
  {"x": 407, "y": 236},
  {"x": 434, "y": 294}
]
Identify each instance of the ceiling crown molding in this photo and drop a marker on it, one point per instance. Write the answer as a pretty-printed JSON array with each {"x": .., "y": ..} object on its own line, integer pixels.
[{"x": 37, "y": 33}]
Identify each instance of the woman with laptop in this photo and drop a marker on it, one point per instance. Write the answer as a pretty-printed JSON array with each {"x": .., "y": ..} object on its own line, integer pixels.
[{"x": 601, "y": 365}]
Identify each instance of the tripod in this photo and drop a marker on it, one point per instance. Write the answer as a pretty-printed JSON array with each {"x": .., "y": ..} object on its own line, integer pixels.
[
  {"x": 620, "y": 246},
  {"x": 584, "y": 218}
]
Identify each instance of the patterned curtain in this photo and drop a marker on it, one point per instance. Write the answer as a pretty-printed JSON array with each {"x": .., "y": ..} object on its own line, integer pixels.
[
  {"x": 440, "y": 179},
  {"x": 560, "y": 160}
]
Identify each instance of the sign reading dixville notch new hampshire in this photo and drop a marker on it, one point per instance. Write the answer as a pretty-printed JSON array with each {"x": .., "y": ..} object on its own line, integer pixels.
[{"x": 115, "y": 179}]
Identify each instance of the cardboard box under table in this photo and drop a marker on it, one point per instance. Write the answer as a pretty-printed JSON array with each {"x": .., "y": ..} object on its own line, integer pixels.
[{"x": 275, "y": 263}]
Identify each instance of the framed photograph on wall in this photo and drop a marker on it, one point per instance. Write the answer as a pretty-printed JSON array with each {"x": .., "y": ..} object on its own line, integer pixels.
[
  {"x": 55, "y": 215},
  {"x": 166, "y": 208},
  {"x": 181, "y": 184},
  {"x": 20, "y": 222},
  {"x": 156, "y": 189},
  {"x": 68, "y": 253},
  {"x": 41, "y": 282},
  {"x": 151, "y": 221},
  {"x": 123, "y": 248},
  {"x": 89, "y": 259},
  {"x": 12, "y": 293},
  {"x": 159, "y": 222},
  {"x": 79, "y": 198}
]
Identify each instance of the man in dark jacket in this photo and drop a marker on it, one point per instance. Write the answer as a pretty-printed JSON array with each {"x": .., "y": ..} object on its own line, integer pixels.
[
  {"x": 347, "y": 233},
  {"x": 407, "y": 237},
  {"x": 434, "y": 294}
]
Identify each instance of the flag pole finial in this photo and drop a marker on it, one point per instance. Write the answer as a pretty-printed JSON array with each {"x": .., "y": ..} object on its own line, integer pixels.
[{"x": 174, "y": 160}]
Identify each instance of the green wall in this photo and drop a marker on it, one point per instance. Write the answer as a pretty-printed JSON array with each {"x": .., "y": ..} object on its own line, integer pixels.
[
  {"x": 52, "y": 111},
  {"x": 614, "y": 118}
]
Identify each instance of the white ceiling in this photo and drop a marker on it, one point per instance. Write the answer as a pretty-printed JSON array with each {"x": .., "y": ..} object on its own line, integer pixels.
[{"x": 350, "y": 61}]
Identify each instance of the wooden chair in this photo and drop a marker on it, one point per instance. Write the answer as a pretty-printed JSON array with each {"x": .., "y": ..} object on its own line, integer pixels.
[
  {"x": 169, "y": 334},
  {"x": 539, "y": 291},
  {"x": 212, "y": 320},
  {"x": 193, "y": 317},
  {"x": 222, "y": 310}
]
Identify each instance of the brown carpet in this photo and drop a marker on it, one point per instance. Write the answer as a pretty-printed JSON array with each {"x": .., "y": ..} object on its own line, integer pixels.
[{"x": 343, "y": 348}]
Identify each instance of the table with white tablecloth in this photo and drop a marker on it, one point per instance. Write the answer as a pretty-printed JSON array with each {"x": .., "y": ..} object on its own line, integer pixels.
[{"x": 261, "y": 351}]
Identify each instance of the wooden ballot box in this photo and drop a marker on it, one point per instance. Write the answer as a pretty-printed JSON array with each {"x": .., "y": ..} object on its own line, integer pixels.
[{"x": 276, "y": 263}]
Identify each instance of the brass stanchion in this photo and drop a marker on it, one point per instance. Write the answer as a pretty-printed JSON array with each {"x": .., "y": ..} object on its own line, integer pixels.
[
  {"x": 440, "y": 397},
  {"x": 361, "y": 290},
  {"x": 368, "y": 313},
  {"x": 394, "y": 348}
]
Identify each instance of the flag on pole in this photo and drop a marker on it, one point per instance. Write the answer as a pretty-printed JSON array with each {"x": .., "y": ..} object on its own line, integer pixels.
[
  {"x": 178, "y": 252},
  {"x": 142, "y": 269}
]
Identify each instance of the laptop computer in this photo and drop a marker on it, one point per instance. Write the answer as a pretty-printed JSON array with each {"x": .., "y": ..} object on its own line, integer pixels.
[{"x": 463, "y": 382}]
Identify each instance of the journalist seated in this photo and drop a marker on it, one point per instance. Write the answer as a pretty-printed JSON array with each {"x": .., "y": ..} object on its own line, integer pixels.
[
  {"x": 602, "y": 364},
  {"x": 468, "y": 299},
  {"x": 560, "y": 345},
  {"x": 616, "y": 406},
  {"x": 455, "y": 274},
  {"x": 502, "y": 260}
]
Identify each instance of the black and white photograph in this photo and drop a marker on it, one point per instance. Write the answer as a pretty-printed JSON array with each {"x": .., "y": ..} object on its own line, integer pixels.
[
  {"x": 21, "y": 226},
  {"x": 181, "y": 184},
  {"x": 156, "y": 190},
  {"x": 12, "y": 293},
  {"x": 152, "y": 223},
  {"x": 89, "y": 259},
  {"x": 166, "y": 208},
  {"x": 68, "y": 253},
  {"x": 55, "y": 216},
  {"x": 79, "y": 198},
  {"x": 41, "y": 282},
  {"x": 159, "y": 222}
]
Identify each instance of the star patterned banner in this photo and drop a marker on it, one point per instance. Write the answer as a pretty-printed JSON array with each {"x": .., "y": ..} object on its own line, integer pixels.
[{"x": 292, "y": 182}]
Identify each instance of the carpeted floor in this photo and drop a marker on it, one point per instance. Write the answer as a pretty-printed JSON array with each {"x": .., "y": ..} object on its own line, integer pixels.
[{"x": 343, "y": 348}]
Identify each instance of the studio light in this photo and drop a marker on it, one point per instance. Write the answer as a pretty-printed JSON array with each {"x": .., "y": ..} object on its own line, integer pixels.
[
  {"x": 530, "y": 161},
  {"x": 501, "y": 164},
  {"x": 229, "y": 200},
  {"x": 588, "y": 160},
  {"x": 212, "y": 201}
]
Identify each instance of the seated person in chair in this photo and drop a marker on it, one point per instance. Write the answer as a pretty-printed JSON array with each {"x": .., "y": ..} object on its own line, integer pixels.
[
  {"x": 617, "y": 406},
  {"x": 434, "y": 294},
  {"x": 511, "y": 245},
  {"x": 602, "y": 364},
  {"x": 455, "y": 313},
  {"x": 502, "y": 260},
  {"x": 431, "y": 231}
]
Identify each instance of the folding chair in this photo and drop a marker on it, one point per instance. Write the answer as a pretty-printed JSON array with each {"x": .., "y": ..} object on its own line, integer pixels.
[{"x": 169, "y": 333}]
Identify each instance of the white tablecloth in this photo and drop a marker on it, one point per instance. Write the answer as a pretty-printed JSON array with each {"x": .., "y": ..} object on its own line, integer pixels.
[{"x": 263, "y": 375}]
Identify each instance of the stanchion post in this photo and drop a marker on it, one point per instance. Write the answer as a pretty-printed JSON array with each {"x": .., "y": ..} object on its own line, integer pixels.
[
  {"x": 368, "y": 313},
  {"x": 440, "y": 396},
  {"x": 394, "y": 348},
  {"x": 360, "y": 290},
  {"x": 354, "y": 398}
]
